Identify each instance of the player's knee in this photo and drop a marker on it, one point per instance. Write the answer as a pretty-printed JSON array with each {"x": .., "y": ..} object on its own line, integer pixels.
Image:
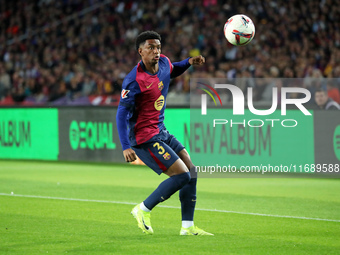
[
  {"x": 182, "y": 179},
  {"x": 186, "y": 178}
]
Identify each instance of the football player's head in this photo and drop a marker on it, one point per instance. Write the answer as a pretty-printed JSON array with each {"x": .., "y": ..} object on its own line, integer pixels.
[{"x": 148, "y": 45}]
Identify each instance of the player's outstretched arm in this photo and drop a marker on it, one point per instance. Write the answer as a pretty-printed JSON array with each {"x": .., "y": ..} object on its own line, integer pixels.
[{"x": 182, "y": 66}]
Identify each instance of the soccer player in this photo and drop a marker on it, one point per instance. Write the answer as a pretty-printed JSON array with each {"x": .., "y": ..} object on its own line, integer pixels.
[{"x": 141, "y": 108}]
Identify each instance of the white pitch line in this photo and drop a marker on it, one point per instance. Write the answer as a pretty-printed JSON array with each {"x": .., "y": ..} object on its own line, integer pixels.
[{"x": 166, "y": 206}]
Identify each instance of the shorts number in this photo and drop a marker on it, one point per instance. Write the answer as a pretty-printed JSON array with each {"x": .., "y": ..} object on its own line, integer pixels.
[{"x": 159, "y": 148}]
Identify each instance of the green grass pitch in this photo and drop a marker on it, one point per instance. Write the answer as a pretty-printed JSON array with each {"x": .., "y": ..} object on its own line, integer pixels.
[{"x": 41, "y": 218}]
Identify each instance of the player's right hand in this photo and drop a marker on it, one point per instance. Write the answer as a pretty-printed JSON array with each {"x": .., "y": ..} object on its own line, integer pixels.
[{"x": 129, "y": 155}]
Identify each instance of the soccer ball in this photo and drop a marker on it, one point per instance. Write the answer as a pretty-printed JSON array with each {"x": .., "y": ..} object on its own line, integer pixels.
[{"x": 239, "y": 30}]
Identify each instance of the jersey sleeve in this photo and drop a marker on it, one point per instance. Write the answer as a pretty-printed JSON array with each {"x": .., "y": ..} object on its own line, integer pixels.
[
  {"x": 130, "y": 89},
  {"x": 122, "y": 126},
  {"x": 179, "y": 68}
]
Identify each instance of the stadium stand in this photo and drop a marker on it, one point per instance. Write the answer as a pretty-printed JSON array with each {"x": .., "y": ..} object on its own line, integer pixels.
[{"x": 77, "y": 52}]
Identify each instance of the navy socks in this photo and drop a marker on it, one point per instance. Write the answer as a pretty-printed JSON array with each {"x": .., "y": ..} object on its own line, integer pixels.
[
  {"x": 166, "y": 189},
  {"x": 187, "y": 196},
  {"x": 187, "y": 193}
]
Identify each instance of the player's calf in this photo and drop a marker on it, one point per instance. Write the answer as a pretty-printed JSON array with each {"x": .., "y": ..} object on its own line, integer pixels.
[{"x": 166, "y": 189}]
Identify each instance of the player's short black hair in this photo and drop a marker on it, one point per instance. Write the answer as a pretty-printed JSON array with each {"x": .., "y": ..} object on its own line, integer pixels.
[{"x": 146, "y": 35}]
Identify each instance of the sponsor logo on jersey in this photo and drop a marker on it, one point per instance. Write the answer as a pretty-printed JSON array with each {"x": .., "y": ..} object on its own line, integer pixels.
[
  {"x": 160, "y": 85},
  {"x": 149, "y": 85},
  {"x": 166, "y": 156},
  {"x": 159, "y": 103},
  {"x": 124, "y": 93}
]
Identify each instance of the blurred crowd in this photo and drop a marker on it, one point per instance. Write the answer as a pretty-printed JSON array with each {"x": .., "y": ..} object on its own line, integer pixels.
[{"x": 60, "y": 51}]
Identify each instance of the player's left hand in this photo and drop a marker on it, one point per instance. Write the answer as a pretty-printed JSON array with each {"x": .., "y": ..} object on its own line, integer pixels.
[{"x": 198, "y": 60}]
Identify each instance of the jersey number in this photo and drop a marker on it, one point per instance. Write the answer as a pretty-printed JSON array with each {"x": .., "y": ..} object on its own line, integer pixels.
[{"x": 159, "y": 148}]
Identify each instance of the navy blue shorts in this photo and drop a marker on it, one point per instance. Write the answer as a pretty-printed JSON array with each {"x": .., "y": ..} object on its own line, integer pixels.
[{"x": 160, "y": 152}]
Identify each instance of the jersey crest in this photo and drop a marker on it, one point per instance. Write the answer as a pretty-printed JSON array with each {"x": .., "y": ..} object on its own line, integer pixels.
[{"x": 160, "y": 85}]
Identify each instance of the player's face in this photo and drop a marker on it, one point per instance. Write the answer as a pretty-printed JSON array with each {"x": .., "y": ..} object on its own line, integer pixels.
[
  {"x": 150, "y": 51},
  {"x": 320, "y": 98}
]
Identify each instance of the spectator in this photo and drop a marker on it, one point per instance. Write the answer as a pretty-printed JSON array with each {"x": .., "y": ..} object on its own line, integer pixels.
[
  {"x": 300, "y": 39},
  {"x": 333, "y": 91},
  {"x": 324, "y": 102},
  {"x": 5, "y": 83}
]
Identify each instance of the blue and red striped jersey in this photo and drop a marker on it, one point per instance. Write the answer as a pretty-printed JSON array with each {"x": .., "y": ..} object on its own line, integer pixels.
[
  {"x": 143, "y": 98},
  {"x": 146, "y": 93}
]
